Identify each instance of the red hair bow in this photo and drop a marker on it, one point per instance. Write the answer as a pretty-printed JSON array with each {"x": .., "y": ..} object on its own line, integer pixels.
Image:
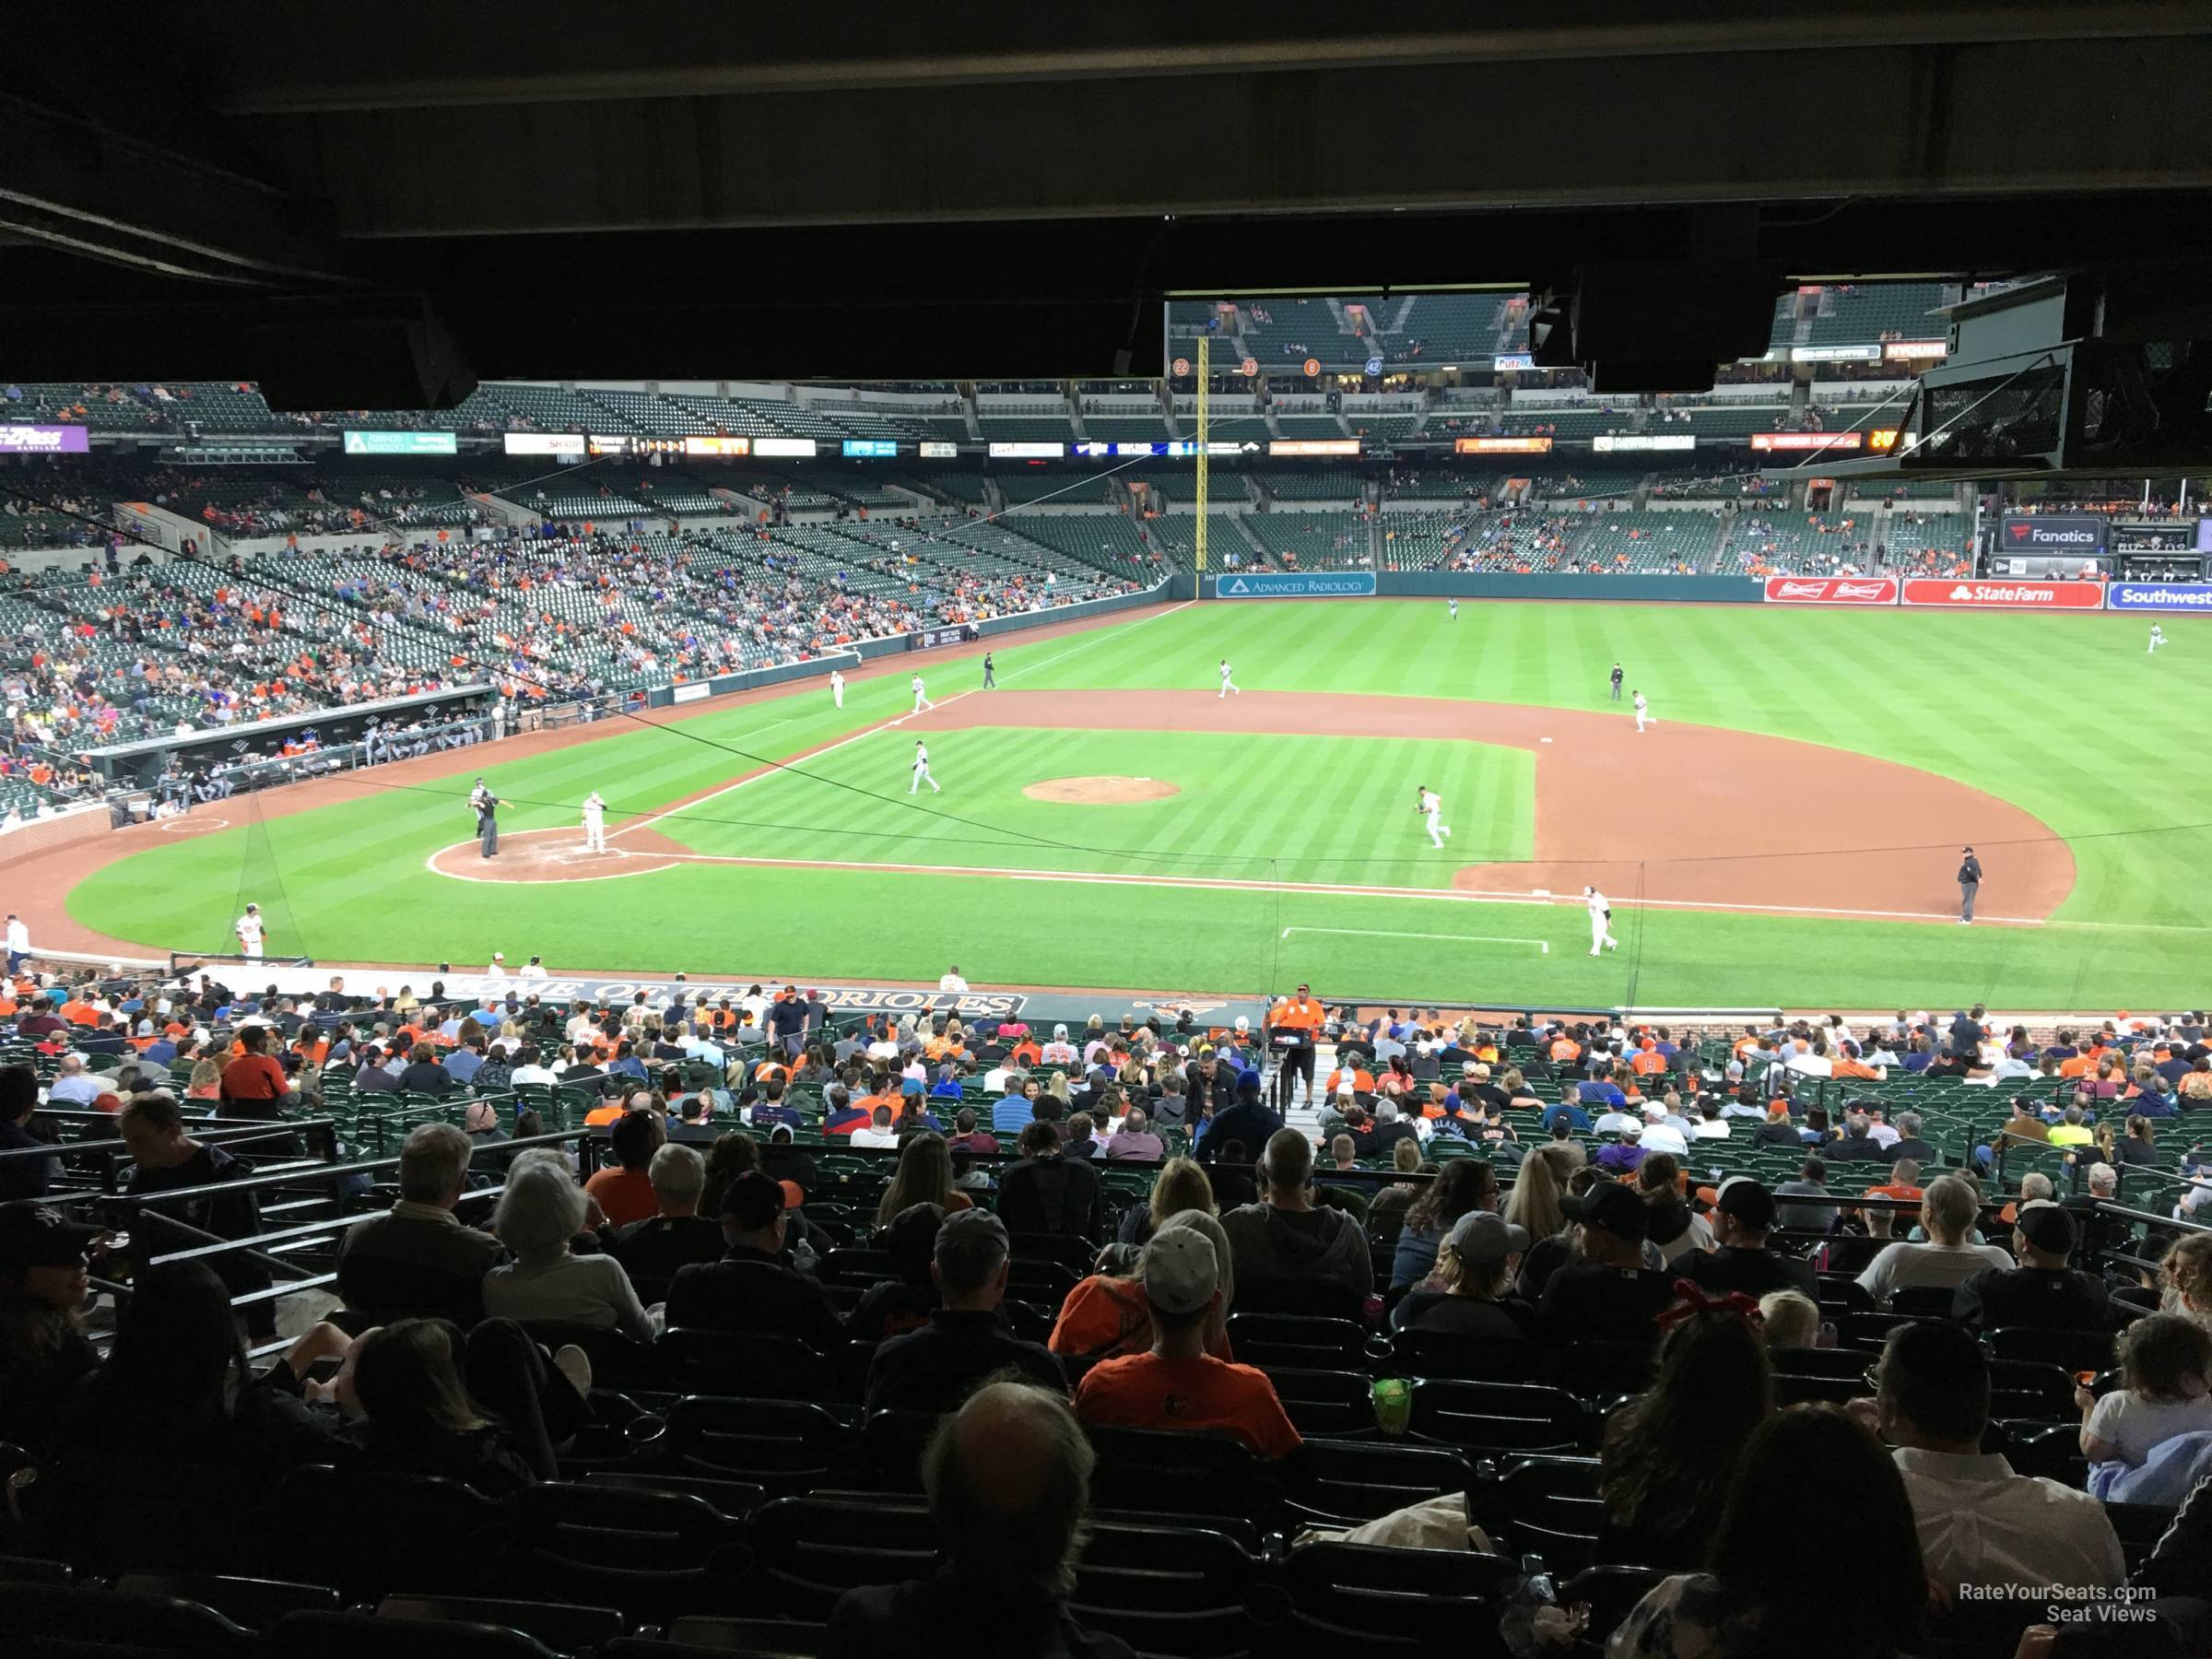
[{"x": 1692, "y": 1301}]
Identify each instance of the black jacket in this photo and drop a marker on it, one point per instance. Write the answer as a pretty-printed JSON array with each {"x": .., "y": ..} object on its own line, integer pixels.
[
  {"x": 750, "y": 1290},
  {"x": 940, "y": 1617},
  {"x": 1248, "y": 1122},
  {"x": 2063, "y": 1301},
  {"x": 934, "y": 1368},
  {"x": 1055, "y": 1194}
]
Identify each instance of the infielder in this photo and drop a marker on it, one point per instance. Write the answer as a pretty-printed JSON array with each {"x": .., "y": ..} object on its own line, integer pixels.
[
  {"x": 1228, "y": 682},
  {"x": 921, "y": 698},
  {"x": 836, "y": 687},
  {"x": 1601, "y": 921},
  {"x": 1432, "y": 808},
  {"x": 1642, "y": 711},
  {"x": 2158, "y": 636},
  {"x": 250, "y": 933},
  {"x": 990, "y": 673},
  {"x": 922, "y": 770},
  {"x": 594, "y": 823}
]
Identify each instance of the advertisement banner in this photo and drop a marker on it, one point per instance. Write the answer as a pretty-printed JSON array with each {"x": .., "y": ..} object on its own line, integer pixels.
[
  {"x": 401, "y": 443},
  {"x": 934, "y": 449},
  {"x": 1604, "y": 441},
  {"x": 2005, "y": 596},
  {"x": 1296, "y": 584},
  {"x": 1835, "y": 354},
  {"x": 718, "y": 446},
  {"x": 1501, "y": 446},
  {"x": 696, "y": 691},
  {"x": 2160, "y": 596},
  {"x": 1909, "y": 351},
  {"x": 1831, "y": 590},
  {"x": 544, "y": 443},
  {"x": 2052, "y": 532},
  {"x": 1808, "y": 441},
  {"x": 1003, "y": 450},
  {"x": 929, "y": 638},
  {"x": 799, "y": 449},
  {"x": 1313, "y": 446},
  {"x": 870, "y": 449},
  {"x": 1506, "y": 361},
  {"x": 45, "y": 441}
]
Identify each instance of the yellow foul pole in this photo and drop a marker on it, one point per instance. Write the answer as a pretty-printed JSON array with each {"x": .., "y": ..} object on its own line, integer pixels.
[{"x": 1206, "y": 355}]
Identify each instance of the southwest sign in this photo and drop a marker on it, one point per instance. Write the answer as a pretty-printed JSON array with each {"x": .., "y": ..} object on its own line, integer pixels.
[{"x": 2005, "y": 596}]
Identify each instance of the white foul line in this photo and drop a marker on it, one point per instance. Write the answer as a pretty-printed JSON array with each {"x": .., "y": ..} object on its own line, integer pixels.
[
  {"x": 1543, "y": 945},
  {"x": 685, "y": 806},
  {"x": 677, "y": 811}
]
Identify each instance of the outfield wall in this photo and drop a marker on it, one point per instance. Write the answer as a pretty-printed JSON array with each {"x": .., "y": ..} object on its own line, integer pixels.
[
  {"x": 1676, "y": 590},
  {"x": 1179, "y": 586}
]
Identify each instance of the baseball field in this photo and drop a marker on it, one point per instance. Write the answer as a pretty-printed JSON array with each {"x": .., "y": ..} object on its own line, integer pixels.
[{"x": 1786, "y": 832}]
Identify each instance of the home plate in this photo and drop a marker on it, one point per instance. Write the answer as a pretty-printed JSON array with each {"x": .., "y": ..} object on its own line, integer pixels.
[{"x": 1543, "y": 740}]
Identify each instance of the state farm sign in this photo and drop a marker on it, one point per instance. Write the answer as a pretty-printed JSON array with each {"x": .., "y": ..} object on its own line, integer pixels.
[
  {"x": 2007, "y": 595},
  {"x": 1831, "y": 590}
]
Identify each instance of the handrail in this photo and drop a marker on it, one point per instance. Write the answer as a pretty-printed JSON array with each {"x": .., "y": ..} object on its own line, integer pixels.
[{"x": 297, "y": 1173}]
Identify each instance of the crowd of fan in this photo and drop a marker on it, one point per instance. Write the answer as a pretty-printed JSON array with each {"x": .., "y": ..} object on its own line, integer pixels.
[{"x": 699, "y": 1219}]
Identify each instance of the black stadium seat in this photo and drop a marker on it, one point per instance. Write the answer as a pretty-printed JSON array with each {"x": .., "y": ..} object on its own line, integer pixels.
[
  {"x": 340, "y": 1531},
  {"x": 1439, "y": 1600},
  {"x": 44, "y": 1622},
  {"x": 563, "y": 1627},
  {"x": 782, "y": 1445},
  {"x": 253, "y": 1604},
  {"x": 1499, "y": 1416},
  {"x": 650, "y": 1554},
  {"x": 367, "y": 1636},
  {"x": 1342, "y": 1482},
  {"x": 1271, "y": 1340},
  {"x": 1177, "y": 1472},
  {"x": 806, "y": 1552},
  {"x": 1324, "y": 1401}
]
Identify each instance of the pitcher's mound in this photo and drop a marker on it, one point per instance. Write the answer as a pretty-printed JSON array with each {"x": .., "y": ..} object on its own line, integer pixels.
[{"x": 1100, "y": 791}]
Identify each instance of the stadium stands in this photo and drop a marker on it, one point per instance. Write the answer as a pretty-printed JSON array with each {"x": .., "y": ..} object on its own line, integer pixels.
[
  {"x": 1302, "y": 539},
  {"x": 727, "y": 1484},
  {"x": 1679, "y": 542}
]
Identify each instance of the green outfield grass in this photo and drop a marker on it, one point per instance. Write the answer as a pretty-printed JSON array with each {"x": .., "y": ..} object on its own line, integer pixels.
[{"x": 2065, "y": 716}]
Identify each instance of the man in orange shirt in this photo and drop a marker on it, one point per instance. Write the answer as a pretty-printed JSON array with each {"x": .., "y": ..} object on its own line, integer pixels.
[
  {"x": 1178, "y": 1384},
  {"x": 1292, "y": 1026},
  {"x": 1648, "y": 1060}
]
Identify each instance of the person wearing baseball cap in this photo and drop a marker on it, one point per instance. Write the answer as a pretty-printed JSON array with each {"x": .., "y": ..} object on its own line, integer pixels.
[
  {"x": 1470, "y": 1294},
  {"x": 753, "y": 1287},
  {"x": 2045, "y": 1291},
  {"x": 1744, "y": 1212},
  {"x": 1178, "y": 1384},
  {"x": 967, "y": 1338},
  {"x": 44, "y": 1354},
  {"x": 1608, "y": 1295}
]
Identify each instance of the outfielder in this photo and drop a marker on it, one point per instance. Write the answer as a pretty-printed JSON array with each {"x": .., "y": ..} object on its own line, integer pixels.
[
  {"x": 836, "y": 687},
  {"x": 594, "y": 823},
  {"x": 1601, "y": 921},
  {"x": 1642, "y": 711},
  {"x": 922, "y": 770},
  {"x": 1228, "y": 682},
  {"x": 2158, "y": 636},
  {"x": 921, "y": 698},
  {"x": 1453, "y": 604},
  {"x": 1432, "y": 808},
  {"x": 250, "y": 933}
]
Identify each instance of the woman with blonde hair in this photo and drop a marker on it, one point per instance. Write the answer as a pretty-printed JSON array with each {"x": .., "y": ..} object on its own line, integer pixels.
[
  {"x": 1106, "y": 1316},
  {"x": 923, "y": 1176},
  {"x": 1534, "y": 1204},
  {"x": 2185, "y": 1278},
  {"x": 1183, "y": 1184},
  {"x": 1057, "y": 1087},
  {"x": 1386, "y": 1214},
  {"x": 206, "y": 1081},
  {"x": 1790, "y": 1319}
]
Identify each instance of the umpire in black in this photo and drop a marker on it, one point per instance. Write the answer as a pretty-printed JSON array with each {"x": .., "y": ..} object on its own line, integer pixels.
[
  {"x": 486, "y": 807},
  {"x": 1969, "y": 883}
]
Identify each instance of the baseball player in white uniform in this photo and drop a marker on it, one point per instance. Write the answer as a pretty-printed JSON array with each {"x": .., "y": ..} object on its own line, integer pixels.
[
  {"x": 1229, "y": 682},
  {"x": 1431, "y": 809},
  {"x": 497, "y": 972},
  {"x": 1453, "y": 604},
  {"x": 594, "y": 823},
  {"x": 1642, "y": 710},
  {"x": 250, "y": 933},
  {"x": 922, "y": 770},
  {"x": 836, "y": 687},
  {"x": 1601, "y": 921},
  {"x": 2158, "y": 636},
  {"x": 921, "y": 698}
]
